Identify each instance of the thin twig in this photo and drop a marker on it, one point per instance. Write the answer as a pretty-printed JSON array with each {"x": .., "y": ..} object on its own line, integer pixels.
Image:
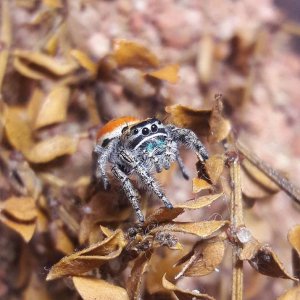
[
  {"x": 237, "y": 219},
  {"x": 292, "y": 190}
]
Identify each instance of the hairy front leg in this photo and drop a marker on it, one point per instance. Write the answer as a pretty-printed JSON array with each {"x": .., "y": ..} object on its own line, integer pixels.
[
  {"x": 189, "y": 139},
  {"x": 146, "y": 178},
  {"x": 103, "y": 154},
  {"x": 129, "y": 191}
]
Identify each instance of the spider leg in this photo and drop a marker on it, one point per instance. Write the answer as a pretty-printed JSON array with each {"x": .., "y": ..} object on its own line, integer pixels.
[
  {"x": 146, "y": 178},
  {"x": 103, "y": 154},
  {"x": 129, "y": 190},
  {"x": 189, "y": 139},
  {"x": 182, "y": 167}
]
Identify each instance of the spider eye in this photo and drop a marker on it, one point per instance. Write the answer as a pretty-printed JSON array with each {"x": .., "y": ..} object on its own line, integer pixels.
[
  {"x": 153, "y": 128},
  {"x": 159, "y": 122},
  {"x": 135, "y": 131},
  {"x": 145, "y": 131}
]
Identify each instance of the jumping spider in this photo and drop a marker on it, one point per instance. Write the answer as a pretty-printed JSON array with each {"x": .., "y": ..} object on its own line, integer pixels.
[{"x": 138, "y": 147}]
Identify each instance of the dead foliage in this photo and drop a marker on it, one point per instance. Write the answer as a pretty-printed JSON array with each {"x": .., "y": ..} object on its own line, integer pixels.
[{"x": 57, "y": 217}]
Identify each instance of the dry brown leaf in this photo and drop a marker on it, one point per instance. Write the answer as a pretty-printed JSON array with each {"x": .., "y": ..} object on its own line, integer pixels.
[
  {"x": 258, "y": 176},
  {"x": 44, "y": 61},
  {"x": 187, "y": 117},
  {"x": 19, "y": 213},
  {"x": 202, "y": 229},
  {"x": 51, "y": 148},
  {"x": 27, "y": 71},
  {"x": 34, "y": 104},
  {"x": 294, "y": 238},
  {"x": 130, "y": 54},
  {"x": 92, "y": 257},
  {"x": 6, "y": 38},
  {"x": 203, "y": 259},
  {"x": 184, "y": 294},
  {"x": 199, "y": 202},
  {"x": 62, "y": 241},
  {"x": 250, "y": 249},
  {"x": 54, "y": 107},
  {"x": 26, "y": 230},
  {"x": 200, "y": 184},
  {"x": 98, "y": 289},
  {"x": 134, "y": 282},
  {"x": 168, "y": 73},
  {"x": 292, "y": 294},
  {"x": 219, "y": 126},
  {"x": 84, "y": 61},
  {"x": 214, "y": 167},
  {"x": 162, "y": 215},
  {"x": 162, "y": 261},
  {"x": 17, "y": 129},
  {"x": 266, "y": 262},
  {"x": 21, "y": 208}
]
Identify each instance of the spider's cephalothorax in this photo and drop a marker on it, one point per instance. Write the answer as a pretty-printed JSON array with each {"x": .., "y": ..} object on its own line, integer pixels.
[{"x": 132, "y": 146}]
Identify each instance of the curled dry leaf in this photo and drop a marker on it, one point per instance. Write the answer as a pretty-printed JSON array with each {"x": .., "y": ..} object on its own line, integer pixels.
[
  {"x": 98, "y": 289},
  {"x": 19, "y": 213},
  {"x": 258, "y": 176},
  {"x": 61, "y": 239},
  {"x": 184, "y": 294},
  {"x": 214, "y": 167},
  {"x": 255, "y": 184},
  {"x": 54, "y": 107},
  {"x": 292, "y": 294},
  {"x": 130, "y": 54},
  {"x": 19, "y": 134},
  {"x": 187, "y": 117},
  {"x": 134, "y": 283},
  {"x": 200, "y": 184},
  {"x": 219, "y": 126},
  {"x": 168, "y": 73},
  {"x": 84, "y": 60},
  {"x": 200, "y": 202},
  {"x": 51, "y": 148},
  {"x": 267, "y": 263},
  {"x": 202, "y": 229},
  {"x": 250, "y": 249},
  {"x": 203, "y": 259},
  {"x": 92, "y": 257},
  {"x": 45, "y": 62},
  {"x": 163, "y": 214}
]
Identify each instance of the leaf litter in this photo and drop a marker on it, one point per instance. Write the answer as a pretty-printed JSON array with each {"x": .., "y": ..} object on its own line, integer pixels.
[{"x": 47, "y": 133}]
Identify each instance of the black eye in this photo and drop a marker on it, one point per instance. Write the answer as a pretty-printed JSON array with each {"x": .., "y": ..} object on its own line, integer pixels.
[
  {"x": 135, "y": 131},
  {"x": 153, "y": 128},
  {"x": 145, "y": 131},
  {"x": 159, "y": 122}
]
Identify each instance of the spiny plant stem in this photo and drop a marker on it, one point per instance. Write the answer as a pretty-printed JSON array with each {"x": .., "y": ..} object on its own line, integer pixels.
[{"x": 236, "y": 218}]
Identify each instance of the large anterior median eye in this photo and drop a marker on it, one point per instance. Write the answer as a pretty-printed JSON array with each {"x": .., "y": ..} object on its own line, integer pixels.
[
  {"x": 135, "y": 131},
  {"x": 153, "y": 128},
  {"x": 145, "y": 131}
]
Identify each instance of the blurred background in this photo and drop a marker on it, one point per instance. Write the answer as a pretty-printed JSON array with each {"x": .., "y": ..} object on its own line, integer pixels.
[{"x": 248, "y": 51}]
